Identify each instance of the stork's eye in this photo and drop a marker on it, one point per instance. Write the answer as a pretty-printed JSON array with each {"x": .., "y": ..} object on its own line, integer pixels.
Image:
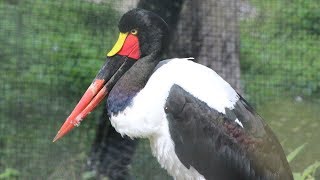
[{"x": 134, "y": 31}]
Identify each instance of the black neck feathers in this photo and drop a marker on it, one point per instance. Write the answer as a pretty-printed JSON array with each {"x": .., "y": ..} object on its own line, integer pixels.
[{"x": 131, "y": 83}]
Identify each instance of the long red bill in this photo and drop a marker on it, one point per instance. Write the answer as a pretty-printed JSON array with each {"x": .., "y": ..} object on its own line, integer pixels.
[
  {"x": 91, "y": 98},
  {"x": 127, "y": 48}
]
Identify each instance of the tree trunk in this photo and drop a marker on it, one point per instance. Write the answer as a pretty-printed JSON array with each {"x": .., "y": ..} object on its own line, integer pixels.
[{"x": 209, "y": 32}]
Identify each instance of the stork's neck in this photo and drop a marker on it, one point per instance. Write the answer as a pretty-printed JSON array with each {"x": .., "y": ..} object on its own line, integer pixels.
[
  {"x": 131, "y": 83},
  {"x": 141, "y": 71}
]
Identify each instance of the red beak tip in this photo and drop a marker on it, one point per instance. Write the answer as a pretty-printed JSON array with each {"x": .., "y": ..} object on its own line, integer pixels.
[
  {"x": 56, "y": 137},
  {"x": 91, "y": 98}
]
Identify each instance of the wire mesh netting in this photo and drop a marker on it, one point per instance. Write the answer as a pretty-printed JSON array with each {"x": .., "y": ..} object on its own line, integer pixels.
[{"x": 51, "y": 50}]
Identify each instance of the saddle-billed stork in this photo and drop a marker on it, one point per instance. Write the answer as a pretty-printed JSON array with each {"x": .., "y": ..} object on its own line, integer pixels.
[{"x": 199, "y": 127}]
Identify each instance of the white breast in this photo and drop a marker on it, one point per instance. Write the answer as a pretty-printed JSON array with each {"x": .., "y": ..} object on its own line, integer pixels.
[{"x": 146, "y": 116}]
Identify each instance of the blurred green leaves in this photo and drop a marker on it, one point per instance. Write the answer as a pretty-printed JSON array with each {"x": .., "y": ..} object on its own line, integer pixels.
[
  {"x": 51, "y": 42},
  {"x": 309, "y": 172},
  {"x": 294, "y": 153},
  {"x": 9, "y": 173},
  {"x": 302, "y": 16},
  {"x": 280, "y": 50},
  {"x": 49, "y": 52}
]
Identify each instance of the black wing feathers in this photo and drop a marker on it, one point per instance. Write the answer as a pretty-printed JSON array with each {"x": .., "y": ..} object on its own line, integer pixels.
[{"x": 218, "y": 147}]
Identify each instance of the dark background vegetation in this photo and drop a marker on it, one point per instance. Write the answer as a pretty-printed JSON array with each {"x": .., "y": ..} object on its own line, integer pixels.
[{"x": 51, "y": 50}]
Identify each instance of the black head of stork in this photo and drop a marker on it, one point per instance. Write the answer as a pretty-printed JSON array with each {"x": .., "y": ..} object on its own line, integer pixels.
[
  {"x": 199, "y": 127},
  {"x": 143, "y": 36}
]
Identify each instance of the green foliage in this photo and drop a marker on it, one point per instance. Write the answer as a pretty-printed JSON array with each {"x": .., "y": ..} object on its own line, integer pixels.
[
  {"x": 50, "y": 51},
  {"x": 301, "y": 16},
  {"x": 89, "y": 175},
  {"x": 70, "y": 168},
  {"x": 296, "y": 124},
  {"x": 57, "y": 37},
  {"x": 309, "y": 172},
  {"x": 280, "y": 50},
  {"x": 294, "y": 153},
  {"x": 9, "y": 174}
]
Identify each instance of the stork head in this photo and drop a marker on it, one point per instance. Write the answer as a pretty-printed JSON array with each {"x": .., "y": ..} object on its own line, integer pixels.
[
  {"x": 148, "y": 29},
  {"x": 141, "y": 33}
]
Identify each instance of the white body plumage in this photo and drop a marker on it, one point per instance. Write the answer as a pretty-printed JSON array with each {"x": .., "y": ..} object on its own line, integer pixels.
[{"x": 146, "y": 117}]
